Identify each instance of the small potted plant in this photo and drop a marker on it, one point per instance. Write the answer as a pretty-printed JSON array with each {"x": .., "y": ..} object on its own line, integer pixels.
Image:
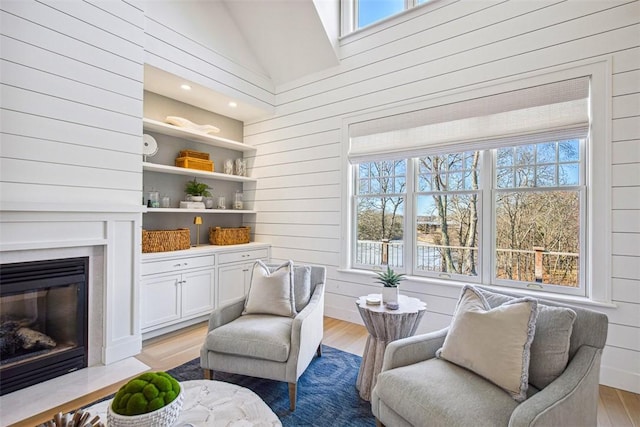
[
  {"x": 150, "y": 399},
  {"x": 197, "y": 190},
  {"x": 390, "y": 281}
]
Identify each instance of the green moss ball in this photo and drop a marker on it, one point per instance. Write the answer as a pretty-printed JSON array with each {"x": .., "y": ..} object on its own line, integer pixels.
[{"x": 145, "y": 393}]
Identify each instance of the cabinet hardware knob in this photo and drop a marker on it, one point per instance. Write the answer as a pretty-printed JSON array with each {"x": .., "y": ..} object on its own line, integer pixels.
[
  {"x": 177, "y": 265},
  {"x": 186, "y": 263}
]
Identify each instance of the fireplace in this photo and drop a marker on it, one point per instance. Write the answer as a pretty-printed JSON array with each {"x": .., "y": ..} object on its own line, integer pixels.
[{"x": 43, "y": 320}]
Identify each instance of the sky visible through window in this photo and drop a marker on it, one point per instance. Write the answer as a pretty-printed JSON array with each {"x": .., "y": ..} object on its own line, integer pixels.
[{"x": 370, "y": 11}]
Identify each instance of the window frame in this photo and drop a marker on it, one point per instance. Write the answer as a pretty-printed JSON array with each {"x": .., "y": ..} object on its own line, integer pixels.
[
  {"x": 599, "y": 194},
  {"x": 349, "y": 15}
]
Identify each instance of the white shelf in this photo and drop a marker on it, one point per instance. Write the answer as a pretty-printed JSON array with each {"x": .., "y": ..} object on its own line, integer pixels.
[
  {"x": 202, "y": 211},
  {"x": 167, "y": 129},
  {"x": 155, "y": 167}
]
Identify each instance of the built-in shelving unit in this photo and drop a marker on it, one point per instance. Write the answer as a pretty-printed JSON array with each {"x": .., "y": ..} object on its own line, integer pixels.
[
  {"x": 170, "y": 130},
  {"x": 202, "y": 211},
  {"x": 155, "y": 167}
]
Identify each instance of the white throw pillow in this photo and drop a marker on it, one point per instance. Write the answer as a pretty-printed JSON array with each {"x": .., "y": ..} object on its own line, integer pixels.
[
  {"x": 271, "y": 292},
  {"x": 493, "y": 343}
]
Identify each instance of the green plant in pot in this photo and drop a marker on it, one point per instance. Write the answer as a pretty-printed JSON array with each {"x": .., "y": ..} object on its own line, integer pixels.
[
  {"x": 390, "y": 281},
  {"x": 145, "y": 394},
  {"x": 197, "y": 190}
]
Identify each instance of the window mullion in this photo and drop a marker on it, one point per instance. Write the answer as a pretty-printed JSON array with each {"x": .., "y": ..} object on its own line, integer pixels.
[
  {"x": 410, "y": 217},
  {"x": 487, "y": 218}
]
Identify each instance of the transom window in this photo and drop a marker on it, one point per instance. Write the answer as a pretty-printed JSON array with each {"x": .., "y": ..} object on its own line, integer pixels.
[
  {"x": 358, "y": 14},
  {"x": 530, "y": 196}
]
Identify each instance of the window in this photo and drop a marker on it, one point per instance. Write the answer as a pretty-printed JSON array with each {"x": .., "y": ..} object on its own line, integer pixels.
[
  {"x": 507, "y": 184},
  {"x": 536, "y": 197},
  {"x": 358, "y": 14}
]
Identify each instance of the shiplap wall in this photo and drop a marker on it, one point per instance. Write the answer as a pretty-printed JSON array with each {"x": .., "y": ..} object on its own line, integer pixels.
[
  {"x": 445, "y": 46},
  {"x": 71, "y": 102}
]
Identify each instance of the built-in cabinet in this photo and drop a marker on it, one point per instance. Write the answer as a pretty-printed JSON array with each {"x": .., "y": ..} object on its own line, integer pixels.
[
  {"x": 181, "y": 288},
  {"x": 234, "y": 273}
]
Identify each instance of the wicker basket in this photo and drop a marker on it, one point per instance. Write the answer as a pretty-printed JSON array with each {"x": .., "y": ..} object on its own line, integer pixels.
[
  {"x": 165, "y": 240},
  {"x": 194, "y": 154},
  {"x": 229, "y": 236},
  {"x": 192, "y": 163},
  {"x": 165, "y": 416}
]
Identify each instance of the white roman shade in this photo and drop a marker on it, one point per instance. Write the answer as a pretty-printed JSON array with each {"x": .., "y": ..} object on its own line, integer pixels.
[{"x": 552, "y": 111}]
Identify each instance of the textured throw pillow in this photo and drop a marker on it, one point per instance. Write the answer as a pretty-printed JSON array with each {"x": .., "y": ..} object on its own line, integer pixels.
[
  {"x": 550, "y": 346},
  {"x": 493, "y": 343},
  {"x": 301, "y": 285},
  {"x": 271, "y": 292}
]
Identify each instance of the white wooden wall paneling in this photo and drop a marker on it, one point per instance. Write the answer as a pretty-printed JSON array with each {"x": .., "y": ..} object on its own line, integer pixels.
[
  {"x": 127, "y": 11},
  {"x": 627, "y": 174},
  {"x": 625, "y": 198},
  {"x": 319, "y": 165},
  {"x": 161, "y": 37},
  {"x": 625, "y": 221},
  {"x": 308, "y": 218},
  {"x": 626, "y": 244},
  {"x": 35, "y": 57},
  {"x": 329, "y": 204},
  {"x": 626, "y": 60},
  {"x": 174, "y": 47},
  {"x": 44, "y": 193},
  {"x": 625, "y": 129},
  {"x": 56, "y": 41},
  {"x": 297, "y": 143},
  {"x": 625, "y": 267},
  {"x": 626, "y": 290},
  {"x": 626, "y": 105},
  {"x": 626, "y": 82},
  {"x": 309, "y": 192},
  {"x": 18, "y": 123},
  {"x": 302, "y": 180},
  {"x": 302, "y": 230},
  {"x": 35, "y": 172},
  {"x": 63, "y": 88},
  {"x": 319, "y": 153},
  {"x": 626, "y": 151},
  {"x": 451, "y": 74},
  {"x": 74, "y": 26},
  {"x": 294, "y": 131},
  {"x": 613, "y": 368},
  {"x": 317, "y": 244},
  {"x": 305, "y": 256},
  {"x": 469, "y": 38},
  {"x": 61, "y": 109},
  {"x": 624, "y": 337},
  {"x": 112, "y": 24},
  {"x": 48, "y": 151}
]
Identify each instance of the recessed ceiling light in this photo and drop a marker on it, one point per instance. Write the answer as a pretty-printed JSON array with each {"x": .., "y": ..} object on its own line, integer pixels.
[
  {"x": 233, "y": 104},
  {"x": 185, "y": 87}
]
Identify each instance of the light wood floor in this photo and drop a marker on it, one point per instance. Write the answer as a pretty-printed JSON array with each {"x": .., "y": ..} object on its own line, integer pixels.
[{"x": 616, "y": 408}]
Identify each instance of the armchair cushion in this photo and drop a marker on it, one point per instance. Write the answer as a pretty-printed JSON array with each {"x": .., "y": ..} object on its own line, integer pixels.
[
  {"x": 494, "y": 343},
  {"x": 431, "y": 390},
  {"x": 271, "y": 292},
  {"x": 550, "y": 346},
  {"x": 301, "y": 285},
  {"x": 256, "y": 335}
]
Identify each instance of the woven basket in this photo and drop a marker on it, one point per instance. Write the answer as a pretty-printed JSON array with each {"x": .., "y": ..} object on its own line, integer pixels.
[
  {"x": 165, "y": 240},
  {"x": 163, "y": 417},
  {"x": 192, "y": 163},
  {"x": 194, "y": 154},
  {"x": 229, "y": 236}
]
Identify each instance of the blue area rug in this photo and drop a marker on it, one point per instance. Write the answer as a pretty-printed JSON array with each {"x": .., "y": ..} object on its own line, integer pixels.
[{"x": 327, "y": 394}]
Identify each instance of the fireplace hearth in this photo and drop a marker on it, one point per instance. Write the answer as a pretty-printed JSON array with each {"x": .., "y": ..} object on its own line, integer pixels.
[{"x": 43, "y": 320}]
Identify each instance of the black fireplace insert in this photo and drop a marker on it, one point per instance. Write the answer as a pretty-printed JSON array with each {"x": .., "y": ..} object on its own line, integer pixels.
[{"x": 43, "y": 320}]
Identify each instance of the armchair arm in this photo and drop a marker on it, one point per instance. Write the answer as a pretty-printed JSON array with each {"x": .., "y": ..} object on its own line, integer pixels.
[
  {"x": 306, "y": 334},
  {"x": 225, "y": 314},
  {"x": 571, "y": 399},
  {"x": 410, "y": 350}
]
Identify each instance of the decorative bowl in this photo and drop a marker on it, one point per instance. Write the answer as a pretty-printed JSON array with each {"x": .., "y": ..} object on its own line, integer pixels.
[{"x": 163, "y": 417}]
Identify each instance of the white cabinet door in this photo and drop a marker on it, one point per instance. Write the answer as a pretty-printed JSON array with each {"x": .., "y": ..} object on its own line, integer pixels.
[
  {"x": 197, "y": 292},
  {"x": 233, "y": 282},
  {"x": 160, "y": 300}
]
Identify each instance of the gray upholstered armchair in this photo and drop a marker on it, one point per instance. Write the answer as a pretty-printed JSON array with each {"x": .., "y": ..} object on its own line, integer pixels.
[
  {"x": 416, "y": 388},
  {"x": 267, "y": 346}
]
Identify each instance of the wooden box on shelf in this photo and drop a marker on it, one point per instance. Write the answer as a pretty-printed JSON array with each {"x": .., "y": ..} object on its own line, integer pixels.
[
  {"x": 165, "y": 240},
  {"x": 194, "y": 163},
  {"x": 194, "y": 154},
  {"x": 229, "y": 236}
]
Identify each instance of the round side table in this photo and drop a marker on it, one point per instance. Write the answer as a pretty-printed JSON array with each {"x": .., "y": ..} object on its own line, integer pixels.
[{"x": 384, "y": 326}]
